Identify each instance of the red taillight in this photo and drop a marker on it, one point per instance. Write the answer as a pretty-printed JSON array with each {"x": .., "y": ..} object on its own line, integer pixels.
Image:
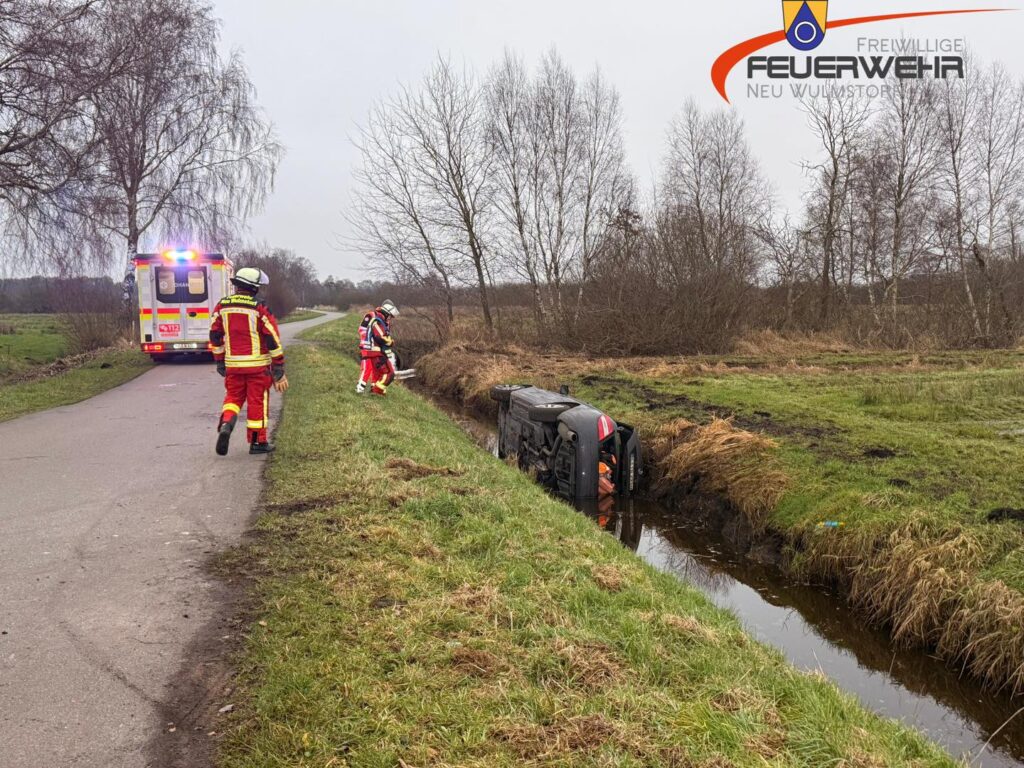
[{"x": 152, "y": 347}]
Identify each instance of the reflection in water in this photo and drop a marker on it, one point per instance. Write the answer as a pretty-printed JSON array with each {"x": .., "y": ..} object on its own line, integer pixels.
[{"x": 815, "y": 630}]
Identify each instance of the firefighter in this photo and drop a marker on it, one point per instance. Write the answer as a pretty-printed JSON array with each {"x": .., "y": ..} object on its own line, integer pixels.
[
  {"x": 378, "y": 362},
  {"x": 247, "y": 347}
]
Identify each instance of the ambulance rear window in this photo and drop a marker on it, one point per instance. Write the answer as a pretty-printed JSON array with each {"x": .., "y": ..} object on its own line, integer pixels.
[{"x": 181, "y": 285}]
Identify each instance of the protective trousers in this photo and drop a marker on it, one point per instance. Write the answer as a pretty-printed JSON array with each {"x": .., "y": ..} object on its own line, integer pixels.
[
  {"x": 378, "y": 372},
  {"x": 253, "y": 390}
]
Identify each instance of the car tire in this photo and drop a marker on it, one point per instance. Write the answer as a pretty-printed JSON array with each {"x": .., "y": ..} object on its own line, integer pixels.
[
  {"x": 503, "y": 392},
  {"x": 548, "y": 413}
]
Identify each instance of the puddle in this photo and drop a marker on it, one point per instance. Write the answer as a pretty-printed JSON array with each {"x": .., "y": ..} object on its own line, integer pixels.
[{"x": 813, "y": 628}]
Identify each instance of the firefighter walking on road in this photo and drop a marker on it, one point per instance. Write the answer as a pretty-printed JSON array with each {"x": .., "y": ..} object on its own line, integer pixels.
[
  {"x": 378, "y": 362},
  {"x": 247, "y": 348}
]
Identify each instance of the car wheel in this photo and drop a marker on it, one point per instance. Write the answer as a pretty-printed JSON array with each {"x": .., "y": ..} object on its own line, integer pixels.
[
  {"x": 503, "y": 392},
  {"x": 548, "y": 413}
]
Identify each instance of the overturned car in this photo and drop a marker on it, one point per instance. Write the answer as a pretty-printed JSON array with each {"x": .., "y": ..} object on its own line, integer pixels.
[{"x": 576, "y": 450}]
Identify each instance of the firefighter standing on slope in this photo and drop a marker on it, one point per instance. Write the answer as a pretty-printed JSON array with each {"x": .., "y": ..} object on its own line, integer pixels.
[
  {"x": 379, "y": 364},
  {"x": 247, "y": 348}
]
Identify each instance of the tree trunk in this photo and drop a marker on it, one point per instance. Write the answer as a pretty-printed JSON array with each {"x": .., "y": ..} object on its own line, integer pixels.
[{"x": 481, "y": 279}]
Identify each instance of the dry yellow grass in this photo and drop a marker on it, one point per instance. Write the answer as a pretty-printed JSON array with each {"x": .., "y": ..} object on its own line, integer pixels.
[
  {"x": 690, "y": 628},
  {"x": 924, "y": 584},
  {"x": 720, "y": 459},
  {"x": 768, "y": 343},
  {"x": 608, "y": 577}
]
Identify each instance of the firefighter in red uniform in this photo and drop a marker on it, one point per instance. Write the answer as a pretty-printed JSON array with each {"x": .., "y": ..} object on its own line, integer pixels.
[
  {"x": 379, "y": 364},
  {"x": 247, "y": 348}
]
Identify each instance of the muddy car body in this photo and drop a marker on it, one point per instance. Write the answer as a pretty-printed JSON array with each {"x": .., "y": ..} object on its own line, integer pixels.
[{"x": 564, "y": 440}]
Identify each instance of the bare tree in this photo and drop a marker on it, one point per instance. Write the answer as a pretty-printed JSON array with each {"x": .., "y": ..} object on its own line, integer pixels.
[
  {"x": 51, "y": 59},
  {"x": 712, "y": 178},
  {"x": 958, "y": 172},
  {"x": 391, "y": 213},
  {"x": 512, "y": 134},
  {"x": 427, "y": 177},
  {"x": 998, "y": 149},
  {"x": 184, "y": 150},
  {"x": 447, "y": 124},
  {"x": 605, "y": 184},
  {"x": 838, "y": 121},
  {"x": 561, "y": 174},
  {"x": 786, "y": 248},
  {"x": 714, "y": 196},
  {"x": 909, "y": 139}
]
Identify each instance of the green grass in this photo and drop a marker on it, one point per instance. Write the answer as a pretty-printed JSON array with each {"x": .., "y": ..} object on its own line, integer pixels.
[
  {"x": 28, "y": 341},
  {"x": 912, "y": 453},
  {"x": 938, "y": 445},
  {"x": 446, "y": 611},
  {"x": 36, "y": 341},
  {"x": 302, "y": 314},
  {"x": 107, "y": 370}
]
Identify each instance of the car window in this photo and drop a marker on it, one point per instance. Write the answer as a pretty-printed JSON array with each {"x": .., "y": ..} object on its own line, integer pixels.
[
  {"x": 181, "y": 285},
  {"x": 165, "y": 283},
  {"x": 197, "y": 282}
]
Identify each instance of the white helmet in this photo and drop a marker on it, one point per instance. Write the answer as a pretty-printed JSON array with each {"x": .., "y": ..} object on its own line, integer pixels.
[
  {"x": 251, "y": 278},
  {"x": 389, "y": 308}
]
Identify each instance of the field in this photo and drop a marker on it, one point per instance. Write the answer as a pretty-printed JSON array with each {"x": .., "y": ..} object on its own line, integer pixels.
[
  {"x": 35, "y": 374},
  {"x": 419, "y": 602},
  {"x": 916, "y": 459},
  {"x": 302, "y": 314},
  {"x": 27, "y": 342}
]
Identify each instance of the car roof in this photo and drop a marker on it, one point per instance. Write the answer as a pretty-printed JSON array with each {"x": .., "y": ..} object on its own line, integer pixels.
[
  {"x": 582, "y": 412},
  {"x": 538, "y": 396}
]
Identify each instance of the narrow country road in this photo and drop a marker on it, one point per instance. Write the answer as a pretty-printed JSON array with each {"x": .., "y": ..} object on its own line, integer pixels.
[{"x": 109, "y": 510}]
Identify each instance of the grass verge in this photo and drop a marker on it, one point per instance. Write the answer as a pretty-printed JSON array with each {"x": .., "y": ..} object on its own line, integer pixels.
[
  {"x": 35, "y": 374},
  {"x": 420, "y": 602},
  {"x": 302, "y": 314},
  {"x": 916, "y": 457}
]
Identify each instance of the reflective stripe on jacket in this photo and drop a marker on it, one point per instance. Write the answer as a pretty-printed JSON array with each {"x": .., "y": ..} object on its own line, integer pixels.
[
  {"x": 375, "y": 335},
  {"x": 244, "y": 334}
]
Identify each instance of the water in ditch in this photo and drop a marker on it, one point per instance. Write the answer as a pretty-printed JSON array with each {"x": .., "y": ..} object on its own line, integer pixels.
[{"x": 813, "y": 627}]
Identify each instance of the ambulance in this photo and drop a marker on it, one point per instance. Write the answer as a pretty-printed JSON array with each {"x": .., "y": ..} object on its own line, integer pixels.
[{"x": 178, "y": 291}]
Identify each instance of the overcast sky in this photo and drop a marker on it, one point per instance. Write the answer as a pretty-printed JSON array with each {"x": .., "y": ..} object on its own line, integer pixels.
[{"x": 320, "y": 64}]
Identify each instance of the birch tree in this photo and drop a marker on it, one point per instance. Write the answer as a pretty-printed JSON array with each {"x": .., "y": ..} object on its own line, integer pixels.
[
  {"x": 838, "y": 122},
  {"x": 184, "y": 152}
]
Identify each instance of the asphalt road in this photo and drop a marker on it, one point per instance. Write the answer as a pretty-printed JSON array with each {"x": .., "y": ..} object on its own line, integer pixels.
[{"x": 109, "y": 511}]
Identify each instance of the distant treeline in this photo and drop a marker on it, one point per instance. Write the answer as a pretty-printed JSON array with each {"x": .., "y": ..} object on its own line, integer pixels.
[
  {"x": 50, "y": 294},
  {"x": 293, "y": 283},
  {"x": 910, "y": 233}
]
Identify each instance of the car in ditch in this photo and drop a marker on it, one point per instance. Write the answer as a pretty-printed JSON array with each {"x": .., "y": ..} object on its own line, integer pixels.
[{"x": 573, "y": 448}]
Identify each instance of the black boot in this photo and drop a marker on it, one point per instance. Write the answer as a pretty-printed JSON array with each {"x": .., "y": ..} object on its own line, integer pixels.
[
  {"x": 261, "y": 447},
  {"x": 224, "y": 436}
]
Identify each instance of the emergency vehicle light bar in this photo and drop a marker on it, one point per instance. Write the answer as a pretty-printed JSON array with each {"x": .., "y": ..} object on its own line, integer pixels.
[{"x": 196, "y": 256}]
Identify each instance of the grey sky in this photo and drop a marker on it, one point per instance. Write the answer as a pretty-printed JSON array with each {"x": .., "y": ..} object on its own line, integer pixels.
[{"x": 320, "y": 64}]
